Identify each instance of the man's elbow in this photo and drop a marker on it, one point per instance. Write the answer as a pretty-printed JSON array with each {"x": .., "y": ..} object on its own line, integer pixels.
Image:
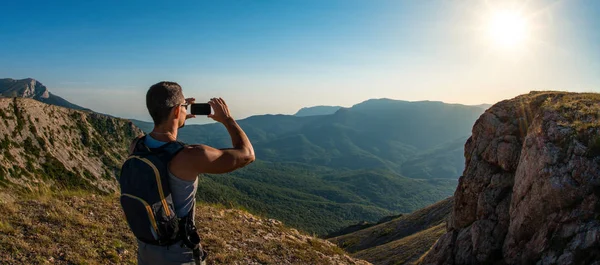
[{"x": 247, "y": 158}]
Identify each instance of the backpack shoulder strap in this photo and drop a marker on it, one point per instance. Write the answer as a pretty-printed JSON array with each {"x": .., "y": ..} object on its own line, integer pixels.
[
  {"x": 140, "y": 147},
  {"x": 169, "y": 150}
]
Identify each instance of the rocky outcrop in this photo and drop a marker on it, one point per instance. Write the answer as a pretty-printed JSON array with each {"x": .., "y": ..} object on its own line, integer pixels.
[
  {"x": 25, "y": 88},
  {"x": 530, "y": 192},
  {"x": 49, "y": 146}
]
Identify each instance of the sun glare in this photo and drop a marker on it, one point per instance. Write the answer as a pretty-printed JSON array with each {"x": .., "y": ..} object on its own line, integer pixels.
[{"x": 508, "y": 29}]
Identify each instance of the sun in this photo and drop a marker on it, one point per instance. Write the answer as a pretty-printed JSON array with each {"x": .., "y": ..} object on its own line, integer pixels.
[{"x": 508, "y": 29}]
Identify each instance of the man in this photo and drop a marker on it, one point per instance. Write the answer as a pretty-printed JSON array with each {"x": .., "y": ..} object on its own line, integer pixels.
[{"x": 168, "y": 108}]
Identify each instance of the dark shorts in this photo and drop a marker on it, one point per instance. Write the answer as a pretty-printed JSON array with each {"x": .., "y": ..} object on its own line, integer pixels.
[{"x": 171, "y": 255}]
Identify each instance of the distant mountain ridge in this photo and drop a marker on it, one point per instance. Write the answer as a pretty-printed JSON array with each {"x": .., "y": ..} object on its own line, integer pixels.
[
  {"x": 378, "y": 134},
  {"x": 31, "y": 88},
  {"x": 317, "y": 110}
]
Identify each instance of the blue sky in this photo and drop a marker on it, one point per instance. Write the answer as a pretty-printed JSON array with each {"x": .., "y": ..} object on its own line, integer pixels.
[{"x": 279, "y": 56}]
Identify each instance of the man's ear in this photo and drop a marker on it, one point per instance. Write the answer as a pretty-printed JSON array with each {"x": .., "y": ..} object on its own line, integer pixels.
[{"x": 177, "y": 112}]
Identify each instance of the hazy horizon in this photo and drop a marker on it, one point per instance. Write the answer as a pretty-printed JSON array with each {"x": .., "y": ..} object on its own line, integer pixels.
[{"x": 275, "y": 57}]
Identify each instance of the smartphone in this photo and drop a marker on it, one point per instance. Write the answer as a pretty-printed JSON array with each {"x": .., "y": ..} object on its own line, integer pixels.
[{"x": 200, "y": 109}]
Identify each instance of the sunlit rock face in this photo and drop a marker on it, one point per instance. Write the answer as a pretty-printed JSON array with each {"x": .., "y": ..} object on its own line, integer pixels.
[{"x": 530, "y": 192}]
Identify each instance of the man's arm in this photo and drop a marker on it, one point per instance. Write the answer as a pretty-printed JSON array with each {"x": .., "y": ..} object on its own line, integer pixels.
[
  {"x": 205, "y": 159},
  {"x": 239, "y": 140}
]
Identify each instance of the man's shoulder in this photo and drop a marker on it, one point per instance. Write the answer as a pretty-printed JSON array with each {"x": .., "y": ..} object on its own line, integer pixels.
[
  {"x": 190, "y": 161},
  {"x": 194, "y": 151}
]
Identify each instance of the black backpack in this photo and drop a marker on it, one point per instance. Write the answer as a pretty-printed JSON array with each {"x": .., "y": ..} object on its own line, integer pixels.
[{"x": 146, "y": 195}]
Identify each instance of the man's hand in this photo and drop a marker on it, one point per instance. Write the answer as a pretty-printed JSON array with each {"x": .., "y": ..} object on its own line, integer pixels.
[
  {"x": 221, "y": 110},
  {"x": 190, "y": 101}
]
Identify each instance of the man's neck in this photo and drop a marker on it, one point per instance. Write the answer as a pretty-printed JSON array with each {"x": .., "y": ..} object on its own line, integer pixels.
[{"x": 164, "y": 133}]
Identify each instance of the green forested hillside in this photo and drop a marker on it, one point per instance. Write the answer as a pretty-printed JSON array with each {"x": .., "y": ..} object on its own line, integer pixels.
[{"x": 320, "y": 200}]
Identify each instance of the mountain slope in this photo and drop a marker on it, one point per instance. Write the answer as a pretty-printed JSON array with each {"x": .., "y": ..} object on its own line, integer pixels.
[
  {"x": 446, "y": 160},
  {"x": 401, "y": 240},
  {"x": 31, "y": 88},
  {"x": 406, "y": 250},
  {"x": 398, "y": 228},
  {"x": 74, "y": 227},
  {"x": 51, "y": 146}
]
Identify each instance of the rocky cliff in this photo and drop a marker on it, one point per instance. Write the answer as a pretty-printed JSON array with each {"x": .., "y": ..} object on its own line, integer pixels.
[
  {"x": 530, "y": 192},
  {"x": 43, "y": 145}
]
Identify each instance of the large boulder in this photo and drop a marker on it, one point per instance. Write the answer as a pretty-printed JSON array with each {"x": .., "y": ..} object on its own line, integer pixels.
[{"x": 530, "y": 192}]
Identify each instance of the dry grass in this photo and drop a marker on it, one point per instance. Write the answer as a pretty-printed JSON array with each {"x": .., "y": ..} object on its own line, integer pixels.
[
  {"x": 403, "y": 251},
  {"x": 396, "y": 229},
  {"x": 579, "y": 111},
  {"x": 75, "y": 227},
  {"x": 64, "y": 228}
]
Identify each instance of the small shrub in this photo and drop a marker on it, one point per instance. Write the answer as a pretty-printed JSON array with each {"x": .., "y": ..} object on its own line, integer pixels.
[
  {"x": 87, "y": 174},
  {"x": 107, "y": 175},
  {"x": 2, "y": 175},
  {"x": 16, "y": 171},
  {"x": 30, "y": 148},
  {"x": 32, "y": 129},
  {"x": 18, "y": 116},
  {"x": 42, "y": 143},
  {"x": 5, "y": 143},
  {"x": 8, "y": 155}
]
